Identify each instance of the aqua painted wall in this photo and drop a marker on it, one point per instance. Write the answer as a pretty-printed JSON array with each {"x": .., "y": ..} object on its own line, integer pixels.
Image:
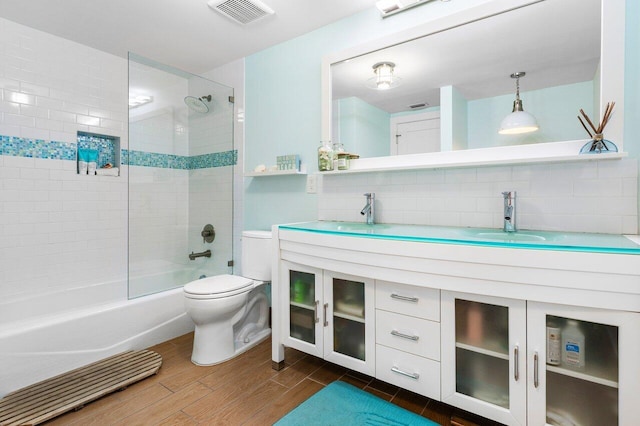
[{"x": 364, "y": 129}]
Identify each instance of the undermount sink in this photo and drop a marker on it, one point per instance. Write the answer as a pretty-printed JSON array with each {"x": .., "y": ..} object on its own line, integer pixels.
[
  {"x": 360, "y": 227},
  {"x": 509, "y": 236}
]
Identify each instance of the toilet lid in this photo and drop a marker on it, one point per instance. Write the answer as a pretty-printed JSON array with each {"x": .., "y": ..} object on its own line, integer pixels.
[{"x": 218, "y": 284}]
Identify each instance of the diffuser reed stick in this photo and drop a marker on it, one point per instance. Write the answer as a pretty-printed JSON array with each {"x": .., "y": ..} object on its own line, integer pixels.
[{"x": 597, "y": 144}]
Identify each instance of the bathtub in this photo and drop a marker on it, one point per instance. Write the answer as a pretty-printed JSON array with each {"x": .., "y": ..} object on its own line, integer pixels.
[{"x": 34, "y": 348}]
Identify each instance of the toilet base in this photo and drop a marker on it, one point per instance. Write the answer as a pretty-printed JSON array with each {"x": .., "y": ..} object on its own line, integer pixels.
[{"x": 239, "y": 349}]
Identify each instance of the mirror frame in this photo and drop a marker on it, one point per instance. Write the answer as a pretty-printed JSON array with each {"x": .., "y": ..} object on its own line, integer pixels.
[{"x": 611, "y": 89}]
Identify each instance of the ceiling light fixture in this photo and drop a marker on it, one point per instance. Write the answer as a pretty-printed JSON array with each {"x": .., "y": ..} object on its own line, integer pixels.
[
  {"x": 138, "y": 100},
  {"x": 384, "y": 78},
  {"x": 519, "y": 121}
]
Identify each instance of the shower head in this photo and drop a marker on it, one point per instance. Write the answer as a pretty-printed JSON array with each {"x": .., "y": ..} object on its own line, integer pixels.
[{"x": 198, "y": 104}]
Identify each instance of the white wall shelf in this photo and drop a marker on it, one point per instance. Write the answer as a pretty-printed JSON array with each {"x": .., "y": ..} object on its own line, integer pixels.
[
  {"x": 275, "y": 173},
  {"x": 470, "y": 158}
]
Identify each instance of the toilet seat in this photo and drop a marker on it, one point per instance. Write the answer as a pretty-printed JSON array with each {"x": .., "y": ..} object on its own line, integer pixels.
[{"x": 218, "y": 287}]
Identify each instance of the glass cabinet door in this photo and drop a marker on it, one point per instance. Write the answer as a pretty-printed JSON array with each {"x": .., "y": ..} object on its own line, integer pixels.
[
  {"x": 304, "y": 296},
  {"x": 302, "y": 306},
  {"x": 483, "y": 368},
  {"x": 576, "y": 356},
  {"x": 349, "y": 325}
]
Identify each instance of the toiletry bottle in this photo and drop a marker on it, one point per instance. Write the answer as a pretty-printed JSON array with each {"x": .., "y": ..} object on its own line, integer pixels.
[
  {"x": 83, "y": 161},
  {"x": 337, "y": 149},
  {"x": 93, "y": 161},
  {"x": 475, "y": 332},
  {"x": 553, "y": 344},
  {"x": 572, "y": 345},
  {"x": 325, "y": 157}
]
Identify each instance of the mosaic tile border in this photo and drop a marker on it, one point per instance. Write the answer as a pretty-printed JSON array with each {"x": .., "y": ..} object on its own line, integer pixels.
[{"x": 53, "y": 150}]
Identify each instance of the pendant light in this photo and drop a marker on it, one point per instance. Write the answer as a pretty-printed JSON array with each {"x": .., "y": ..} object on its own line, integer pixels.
[
  {"x": 384, "y": 79},
  {"x": 519, "y": 121}
]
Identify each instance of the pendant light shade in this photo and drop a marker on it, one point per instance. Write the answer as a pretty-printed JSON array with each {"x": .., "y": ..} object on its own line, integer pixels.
[{"x": 519, "y": 121}]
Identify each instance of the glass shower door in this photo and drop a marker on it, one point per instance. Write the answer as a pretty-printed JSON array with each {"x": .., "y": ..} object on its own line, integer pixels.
[{"x": 180, "y": 160}]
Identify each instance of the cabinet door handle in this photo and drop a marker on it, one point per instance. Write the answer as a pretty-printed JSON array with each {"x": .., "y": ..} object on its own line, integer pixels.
[
  {"x": 326, "y": 323},
  {"x": 315, "y": 312},
  {"x": 536, "y": 381},
  {"x": 414, "y": 376},
  {"x": 404, "y": 336},
  {"x": 405, "y": 298},
  {"x": 516, "y": 366}
]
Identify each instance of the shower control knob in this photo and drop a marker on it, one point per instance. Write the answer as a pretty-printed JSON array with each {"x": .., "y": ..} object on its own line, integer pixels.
[{"x": 208, "y": 234}]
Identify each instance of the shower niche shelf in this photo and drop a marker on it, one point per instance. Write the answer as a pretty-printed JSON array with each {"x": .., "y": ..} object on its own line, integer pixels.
[{"x": 107, "y": 149}]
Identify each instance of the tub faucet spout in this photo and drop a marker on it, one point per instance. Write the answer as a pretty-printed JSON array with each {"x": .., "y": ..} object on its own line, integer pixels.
[
  {"x": 369, "y": 209},
  {"x": 194, "y": 256},
  {"x": 509, "y": 224}
]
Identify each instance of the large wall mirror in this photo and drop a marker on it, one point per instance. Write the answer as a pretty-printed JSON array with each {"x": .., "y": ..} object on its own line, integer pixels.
[{"x": 455, "y": 84}]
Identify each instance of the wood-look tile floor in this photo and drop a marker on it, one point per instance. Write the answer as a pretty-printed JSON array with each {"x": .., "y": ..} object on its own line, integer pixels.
[{"x": 242, "y": 391}]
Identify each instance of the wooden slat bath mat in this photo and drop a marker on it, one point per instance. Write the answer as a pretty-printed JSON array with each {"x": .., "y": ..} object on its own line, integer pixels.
[{"x": 45, "y": 400}]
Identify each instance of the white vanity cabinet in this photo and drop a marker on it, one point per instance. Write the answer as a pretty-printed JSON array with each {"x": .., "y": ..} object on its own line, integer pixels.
[
  {"x": 408, "y": 337},
  {"x": 495, "y": 361},
  {"x": 601, "y": 389},
  {"x": 484, "y": 355},
  {"x": 466, "y": 323},
  {"x": 330, "y": 315}
]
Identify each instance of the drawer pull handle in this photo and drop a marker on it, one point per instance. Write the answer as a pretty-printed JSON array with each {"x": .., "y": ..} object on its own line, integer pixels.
[
  {"x": 315, "y": 311},
  {"x": 404, "y": 336},
  {"x": 414, "y": 376},
  {"x": 405, "y": 298}
]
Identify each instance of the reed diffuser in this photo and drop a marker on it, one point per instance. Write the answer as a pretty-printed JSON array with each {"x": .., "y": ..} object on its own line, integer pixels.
[{"x": 598, "y": 143}]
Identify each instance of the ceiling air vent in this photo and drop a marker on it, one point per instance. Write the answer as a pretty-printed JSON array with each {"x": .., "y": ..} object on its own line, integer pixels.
[{"x": 241, "y": 11}]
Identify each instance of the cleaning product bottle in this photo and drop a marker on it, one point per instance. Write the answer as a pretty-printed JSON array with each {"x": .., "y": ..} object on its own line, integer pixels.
[
  {"x": 572, "y": 345},
  {"x": 553, "y": 344}
]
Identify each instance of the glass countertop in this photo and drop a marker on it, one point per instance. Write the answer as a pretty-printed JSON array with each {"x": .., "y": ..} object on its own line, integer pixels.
[{"x": 537, "y": 240}]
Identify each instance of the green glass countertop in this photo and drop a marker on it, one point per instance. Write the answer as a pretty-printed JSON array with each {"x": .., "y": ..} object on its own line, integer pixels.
[{"x": 537, "y": 240}]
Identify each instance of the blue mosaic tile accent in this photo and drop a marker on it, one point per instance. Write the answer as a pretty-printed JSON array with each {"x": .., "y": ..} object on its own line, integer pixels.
[
  {"x": 216, "y": 159},
  {"x": 20, "y": 147},
  {"x": 104, "y": 145},
  {"x": 37, "y": 148}
]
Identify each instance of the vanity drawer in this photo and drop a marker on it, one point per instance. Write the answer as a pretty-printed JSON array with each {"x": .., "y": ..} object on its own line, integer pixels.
[
  {"x": 409, "y": 334},
  {"x": 411, "y": 300},
  {"x": 417, "y": 374}
]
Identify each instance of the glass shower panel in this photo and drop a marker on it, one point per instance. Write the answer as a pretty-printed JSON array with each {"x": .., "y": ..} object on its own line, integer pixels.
[{"x": 180, "y": 161}]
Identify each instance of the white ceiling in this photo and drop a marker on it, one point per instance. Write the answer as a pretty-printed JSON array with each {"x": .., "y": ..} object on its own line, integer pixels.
[{"x": 185, "y": 34}]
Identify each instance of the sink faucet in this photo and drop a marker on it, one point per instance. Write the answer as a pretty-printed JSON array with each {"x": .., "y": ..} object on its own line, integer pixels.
[
  {"x": 368, "y": 211},
  {"x": 509, "y": 211}
]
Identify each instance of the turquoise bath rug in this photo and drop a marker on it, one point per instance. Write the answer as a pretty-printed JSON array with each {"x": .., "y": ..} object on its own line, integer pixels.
[{"x": 341, "y": 404}]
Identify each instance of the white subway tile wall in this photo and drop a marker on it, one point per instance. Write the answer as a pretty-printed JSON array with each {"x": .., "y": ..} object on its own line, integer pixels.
[
  {"x": 593, "y": 196},
  {"x": 59, "y": 230}
]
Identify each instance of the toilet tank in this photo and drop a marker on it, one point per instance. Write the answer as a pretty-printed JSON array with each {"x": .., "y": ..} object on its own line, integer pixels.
[{"x": 256, "y": 255}]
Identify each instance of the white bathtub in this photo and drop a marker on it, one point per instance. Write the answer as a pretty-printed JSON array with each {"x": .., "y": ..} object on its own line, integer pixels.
[{"x": 35, "y": 348}]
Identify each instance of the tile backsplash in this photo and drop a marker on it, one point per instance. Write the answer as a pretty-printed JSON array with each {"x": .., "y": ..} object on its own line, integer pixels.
[{"x": 590, "y": 196}]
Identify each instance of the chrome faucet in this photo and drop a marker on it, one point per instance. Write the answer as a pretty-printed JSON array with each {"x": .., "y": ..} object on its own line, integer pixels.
[
  {"x": 509, "y": 224},
  {"x": 369, "y": 209}
]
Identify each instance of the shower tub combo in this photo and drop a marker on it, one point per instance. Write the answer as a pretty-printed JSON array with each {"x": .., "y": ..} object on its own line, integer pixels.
[{"x": 71, "y": 330}]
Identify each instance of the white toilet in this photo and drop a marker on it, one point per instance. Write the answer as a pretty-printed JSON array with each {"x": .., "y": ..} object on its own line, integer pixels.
[{"x": 231, "y": 313}]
